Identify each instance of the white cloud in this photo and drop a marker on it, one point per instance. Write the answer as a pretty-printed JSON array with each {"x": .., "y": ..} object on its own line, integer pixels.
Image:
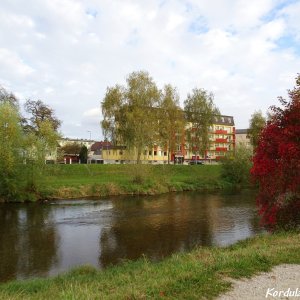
[
  {"x": 93, "y": 112},
  {"x": 67, "y": 52},
  {"x": 12, "y": 65}
]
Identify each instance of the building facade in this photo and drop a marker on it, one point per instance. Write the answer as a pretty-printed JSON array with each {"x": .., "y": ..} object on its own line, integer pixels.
[
  {"x": 221, "y": 143},
  {"x": 243, "y": 138}
]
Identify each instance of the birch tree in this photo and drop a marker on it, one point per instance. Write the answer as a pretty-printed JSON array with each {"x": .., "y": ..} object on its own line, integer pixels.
[
  {"x": 200, "y": 110},
  {"x": 130, "y": 113},
  {"x": 257, "y": 123},
  {"x": 171, "y": 120}
]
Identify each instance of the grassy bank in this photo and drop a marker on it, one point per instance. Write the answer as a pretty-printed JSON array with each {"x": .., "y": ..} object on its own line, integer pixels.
[
  {"x": 71, "y": 181},
  {"x": 199, "y": 274}
]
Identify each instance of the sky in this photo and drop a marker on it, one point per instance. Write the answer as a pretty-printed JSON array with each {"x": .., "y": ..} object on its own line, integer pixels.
[{"x": 67, "y": 52}]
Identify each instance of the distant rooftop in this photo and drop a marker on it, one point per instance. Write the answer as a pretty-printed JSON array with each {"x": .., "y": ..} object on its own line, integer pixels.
[
  {"x": 224, "y": 120},
  {"x": 77, "y": 140},
  {"x": 241, "y": 131}
]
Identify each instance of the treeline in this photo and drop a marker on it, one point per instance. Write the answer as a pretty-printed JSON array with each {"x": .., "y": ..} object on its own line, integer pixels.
[
  {"x": 24, "y": 144},
  {"x": 140, "y": 115}
]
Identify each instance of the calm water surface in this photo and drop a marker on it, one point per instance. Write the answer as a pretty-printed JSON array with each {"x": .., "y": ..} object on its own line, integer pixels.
[{"x": 46, "y": 239}]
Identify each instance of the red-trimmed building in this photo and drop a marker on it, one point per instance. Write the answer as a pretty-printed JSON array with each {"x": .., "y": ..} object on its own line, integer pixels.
[{"x": 221, "y": 137}]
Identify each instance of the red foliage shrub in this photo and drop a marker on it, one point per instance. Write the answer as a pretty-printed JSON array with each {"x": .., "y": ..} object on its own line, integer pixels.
[{"x": 276, "y": 165}]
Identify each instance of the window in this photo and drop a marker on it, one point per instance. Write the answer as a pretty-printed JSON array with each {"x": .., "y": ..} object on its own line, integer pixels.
[
  {"x": 150, "y": 152},
  {"x": 121, "y": 152},
  {"x": 155, "y": 153},
  {"x": 165, "y": 153}
]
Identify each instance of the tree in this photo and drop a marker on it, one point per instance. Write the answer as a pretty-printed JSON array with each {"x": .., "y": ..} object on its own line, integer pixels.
[
  {"x": 130, "y": 113},
  {"x": 83, "y": 154},
  {"x": 171, "y": 119},
  {"x": 7, "y": 97},
  {"x": 236, "y": 170},
  {"x": 277, "y": 164},
  {"x": 71, "y": 148},
  {"x": 256, "y": 124},
  {"x": 40, "y": 112},
  {"x": 42, "y": 126},
  {"x": 22, "y": 154},
  {"x": 200, "y": 110},
  {"x": 11, "y": 150}
]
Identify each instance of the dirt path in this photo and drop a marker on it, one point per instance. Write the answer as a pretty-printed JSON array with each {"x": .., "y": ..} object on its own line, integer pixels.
[{"x": 285, "y": 278}]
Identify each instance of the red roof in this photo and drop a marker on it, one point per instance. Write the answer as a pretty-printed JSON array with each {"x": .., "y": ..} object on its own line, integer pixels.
[{"x": 100, "y": 145}]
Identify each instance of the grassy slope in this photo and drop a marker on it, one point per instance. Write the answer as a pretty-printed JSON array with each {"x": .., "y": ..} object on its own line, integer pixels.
[
  {"x": 67, "y": 181},
  {"x": 194, "y": 275}
]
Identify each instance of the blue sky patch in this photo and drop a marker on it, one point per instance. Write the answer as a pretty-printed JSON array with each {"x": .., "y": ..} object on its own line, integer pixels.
[
  {"x": 198, "y": 26},
  {"x": 92, "y": 12},
  {"x": 289, "y": 42}
]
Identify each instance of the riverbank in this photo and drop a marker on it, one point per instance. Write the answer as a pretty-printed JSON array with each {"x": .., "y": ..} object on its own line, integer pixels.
[
  {"x": 75, "y": 181},
  {"x": 202, "y": 273}
]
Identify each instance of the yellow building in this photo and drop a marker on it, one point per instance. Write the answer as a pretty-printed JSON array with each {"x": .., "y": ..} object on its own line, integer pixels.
[
  {"x": 222, "y": 142},
  {"x": 221, "y": 137},
  {"x": 243, "y": 138},
  {"x": 119, "y": 154}
]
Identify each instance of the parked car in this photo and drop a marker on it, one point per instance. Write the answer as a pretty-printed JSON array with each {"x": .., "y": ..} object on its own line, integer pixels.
[{"x": 196, "y": 162}]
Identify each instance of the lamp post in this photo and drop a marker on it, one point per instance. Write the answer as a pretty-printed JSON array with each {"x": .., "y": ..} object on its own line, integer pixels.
[{"x": 90, "y": 134}]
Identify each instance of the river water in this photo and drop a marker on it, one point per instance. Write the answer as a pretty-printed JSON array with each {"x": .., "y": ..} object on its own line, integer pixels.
[{"x": 44, "y": 239}]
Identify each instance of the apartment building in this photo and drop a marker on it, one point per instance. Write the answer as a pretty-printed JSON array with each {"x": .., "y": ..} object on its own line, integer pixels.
[
  {"x": 221, "y": 143},
  {"x": 243, "y": 138}
]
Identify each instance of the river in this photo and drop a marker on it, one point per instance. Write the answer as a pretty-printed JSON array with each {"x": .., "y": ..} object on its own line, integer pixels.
[{"x": 44, "y": 239}]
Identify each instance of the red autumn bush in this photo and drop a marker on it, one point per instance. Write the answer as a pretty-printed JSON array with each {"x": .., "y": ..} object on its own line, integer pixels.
[{"x": 276, "y": 165}]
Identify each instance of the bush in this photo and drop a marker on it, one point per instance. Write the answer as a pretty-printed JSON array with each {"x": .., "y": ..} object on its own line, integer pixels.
[
  {"x": 236, "y": 170},
  {"x": 277, "y": 165}
]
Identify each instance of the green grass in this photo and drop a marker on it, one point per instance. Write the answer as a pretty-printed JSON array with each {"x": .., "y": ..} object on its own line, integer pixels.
[
  {"x": 69, "y": 181},
  {"x": 202, "y": 273}
]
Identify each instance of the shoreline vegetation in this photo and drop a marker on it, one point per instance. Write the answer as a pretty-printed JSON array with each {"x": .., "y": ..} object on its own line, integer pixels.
[
  {"x": 204, "y": 272},
  {"x": 78, "y": 181}
]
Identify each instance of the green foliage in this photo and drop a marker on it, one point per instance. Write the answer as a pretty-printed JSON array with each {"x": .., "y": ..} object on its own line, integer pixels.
[
  {"x": 7, "y": 97},
  {"x": 236, "y": 169},
  {"x": 256, "y": 124},
  {"x": 171, "y": 120},
  {"x": 130, "y": 114},
  {"x": 71, "y": 148},
  {"x": 39, "y": 113},
  {"x": 22, "y": 155},
  {"x": 200, "y": 110},
  {"x": 11, "y": 150},
  {"x": 83, "y": 154},
  {"x": 141, "y": 116}
]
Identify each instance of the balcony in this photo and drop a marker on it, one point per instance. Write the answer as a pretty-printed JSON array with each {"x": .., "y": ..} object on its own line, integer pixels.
[
  {"x": 220, "y": 131},
  {"x": 221, "y": 149},
  {"x": 221, "y": 141}
]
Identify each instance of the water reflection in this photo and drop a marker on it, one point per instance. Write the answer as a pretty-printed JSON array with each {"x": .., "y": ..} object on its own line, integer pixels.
[
  {"x": 28, "y": 241},
  {"x": 175, "y": 223},
  {"x": 45, "y": 239}
]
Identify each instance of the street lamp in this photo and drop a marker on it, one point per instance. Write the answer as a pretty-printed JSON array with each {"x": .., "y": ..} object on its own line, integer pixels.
[{"x": 90, "y": 134}]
